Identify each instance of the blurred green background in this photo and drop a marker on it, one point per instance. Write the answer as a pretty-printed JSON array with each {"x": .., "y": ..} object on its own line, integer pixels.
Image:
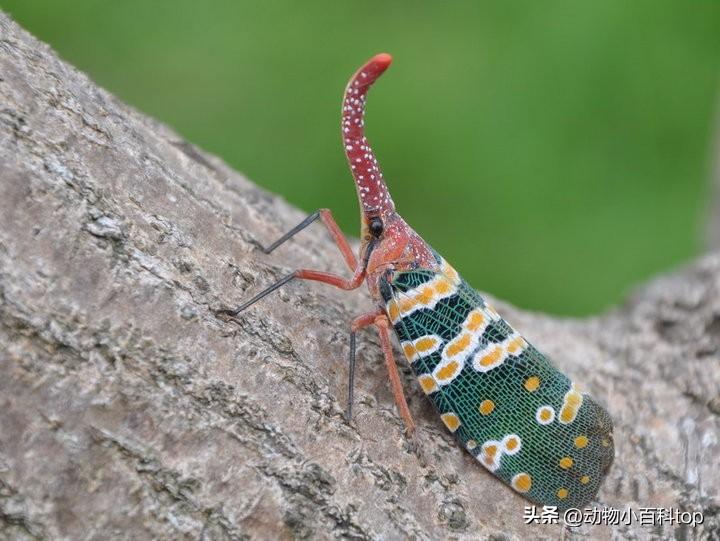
[{"x": 555, "y": 152}]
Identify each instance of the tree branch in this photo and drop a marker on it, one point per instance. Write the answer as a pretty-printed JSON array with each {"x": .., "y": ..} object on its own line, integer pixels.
[{"x": 128, "y": 409}]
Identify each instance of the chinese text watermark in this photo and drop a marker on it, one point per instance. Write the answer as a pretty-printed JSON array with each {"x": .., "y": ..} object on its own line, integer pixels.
[{"x": 608, "y": 516}]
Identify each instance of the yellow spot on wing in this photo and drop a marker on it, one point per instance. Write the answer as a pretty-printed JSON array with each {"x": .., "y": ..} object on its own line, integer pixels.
[
  {"x": 562, "y": 493},
  {"x": 457, "y": 346},
  {"x": 566, "y": 462},
  {"x": 450, "y": 272},
  {"x": 490, "y": 455},
  {"x": 426, "y": 343},
  {"x": 448, "y": 371},
  {"x": 522, "y": 482},
  {"x": 428, "y": 383},
  {"x": 475, "y": 320},
  {"x": 409, "y": 351},
  {"x": 532, "y": 383},
  {"x": 571, "y": 405},
  {"x": 393, "y": 311},
  {"x": 581, "y": 442},
  {"x": 584, "y": 480},
  {"x": 453, "y": 359},
  {"x": 545, "y": 415},
  {"x": 425, "y": 296},
  {"x": 443, "y": 287},
  {"x": 422, "y": 347},
  {"x": 567, "y": 415},
  {"x": 516, "y": 345},
  {"x": 486, "y": 407},
  {"x": 451, "y": 421},
  {"x": 574, "y": 399},
  {"x": 511, "y": 444},
  {"x": 491, "y": 357}
]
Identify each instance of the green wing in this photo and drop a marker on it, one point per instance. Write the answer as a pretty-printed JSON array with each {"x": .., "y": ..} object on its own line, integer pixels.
[{"x": 505, "y": 402}]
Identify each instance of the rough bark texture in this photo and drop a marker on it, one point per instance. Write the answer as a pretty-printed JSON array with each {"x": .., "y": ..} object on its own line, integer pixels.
[
  {"x": 128, "y": 410},
  {"x": 712, "y": 234}
]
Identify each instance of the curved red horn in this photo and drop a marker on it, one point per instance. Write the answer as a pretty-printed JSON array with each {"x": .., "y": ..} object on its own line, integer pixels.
[{"x": 371, "y": 188}]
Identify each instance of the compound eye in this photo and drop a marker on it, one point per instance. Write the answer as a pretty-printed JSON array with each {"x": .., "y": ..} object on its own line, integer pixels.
[{"x": 375, "y": 226}]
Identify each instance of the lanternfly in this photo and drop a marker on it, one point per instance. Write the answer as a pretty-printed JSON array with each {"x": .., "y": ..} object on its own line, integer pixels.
[{"x": 503, "y": 400}]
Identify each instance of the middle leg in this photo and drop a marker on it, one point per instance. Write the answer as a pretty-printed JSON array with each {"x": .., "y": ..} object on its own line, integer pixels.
[
  {"x": 381, "y": 322},
  {"x": 360, "y": 322},
  {"x": 383, "y": 325}
]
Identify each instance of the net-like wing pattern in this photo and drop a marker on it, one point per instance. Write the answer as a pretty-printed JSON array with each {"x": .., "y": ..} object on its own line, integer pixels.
[{"x": 505, "y": 402}]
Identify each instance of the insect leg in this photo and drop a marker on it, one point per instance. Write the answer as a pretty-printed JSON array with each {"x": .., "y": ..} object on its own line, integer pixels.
[
  {"x": 319, "y": 276},
  {"x": 383, "y": 324},
  {"x": 303, "y": 274},
  {"x": 277, "y": 285},
  {"x": 340, "y": 240},
  {"x": 358, "y": 323},
  {"x": 327, "y": 218}
]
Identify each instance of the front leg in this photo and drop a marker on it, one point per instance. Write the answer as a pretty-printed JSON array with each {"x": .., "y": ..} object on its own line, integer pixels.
[
  {"x": 303, "y": 274},
  {"x": 308, "y": 274},
  {"x": 326, "y": 218}
]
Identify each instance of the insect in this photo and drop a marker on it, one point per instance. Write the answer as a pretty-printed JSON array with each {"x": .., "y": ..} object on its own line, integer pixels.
[{"x": 503, "y": 400}]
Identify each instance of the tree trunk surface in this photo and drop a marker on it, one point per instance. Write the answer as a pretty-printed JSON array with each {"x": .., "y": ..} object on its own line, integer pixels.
[
  {"x": 128, "y": 410},
  {"x": 712, "y": 229}
]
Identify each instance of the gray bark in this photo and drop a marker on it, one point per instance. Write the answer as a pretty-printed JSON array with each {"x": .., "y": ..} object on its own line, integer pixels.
[
  {"x": 127, "y": 409},
  {"x": 713, "y": 222}
]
